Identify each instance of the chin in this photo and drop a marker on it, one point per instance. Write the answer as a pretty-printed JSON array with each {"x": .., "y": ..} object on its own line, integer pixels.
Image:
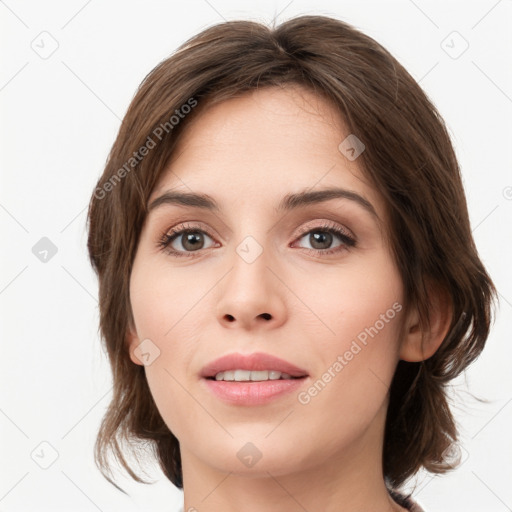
[{"x": 255, "y": 458}]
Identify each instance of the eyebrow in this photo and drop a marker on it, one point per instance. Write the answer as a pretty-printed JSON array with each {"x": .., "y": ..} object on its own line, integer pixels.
[{"x": 288, "y": 203}]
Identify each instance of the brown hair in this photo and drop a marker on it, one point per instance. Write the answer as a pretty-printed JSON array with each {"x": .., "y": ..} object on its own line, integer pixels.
[{"x": 408, "y": 158}]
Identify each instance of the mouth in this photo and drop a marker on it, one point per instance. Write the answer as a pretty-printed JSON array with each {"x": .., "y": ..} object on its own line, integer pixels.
[
  {"x": 254, "y": 379},
  {"x": 253, "y": 376},
  {"x": 253, "y": 393},
  {"x": 255, "y": 367}
]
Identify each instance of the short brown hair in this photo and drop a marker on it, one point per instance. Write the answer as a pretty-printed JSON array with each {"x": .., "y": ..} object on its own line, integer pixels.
[{"x": 408, "y": 158}]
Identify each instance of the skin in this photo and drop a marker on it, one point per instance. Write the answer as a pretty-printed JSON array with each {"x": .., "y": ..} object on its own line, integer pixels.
[{"x": 247, "y": 153}]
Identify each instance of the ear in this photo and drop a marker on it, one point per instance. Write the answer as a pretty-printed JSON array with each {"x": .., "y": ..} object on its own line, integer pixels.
[
  {"x": 132, "y": 342},
  {"x": 418, "y": 345}
]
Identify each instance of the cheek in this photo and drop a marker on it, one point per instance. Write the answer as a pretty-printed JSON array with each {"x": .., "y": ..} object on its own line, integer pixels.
[
  {"x": 163, "y": 305},
  {"x": 356, "y": 300},
  {"x": 358, "y": 354},
  {"x": 161, "y": 299}
]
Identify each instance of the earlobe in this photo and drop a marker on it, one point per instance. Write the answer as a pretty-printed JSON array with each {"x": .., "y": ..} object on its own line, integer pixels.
[
  {"x": 417, "y": 344},
  {"x": 132, "y": 342}
]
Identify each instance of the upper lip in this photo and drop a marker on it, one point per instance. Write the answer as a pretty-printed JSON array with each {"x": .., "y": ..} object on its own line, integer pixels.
[{"x": 253, "y": 362}]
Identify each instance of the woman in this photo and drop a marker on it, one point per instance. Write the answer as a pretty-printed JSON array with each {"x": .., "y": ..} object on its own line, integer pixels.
[{"x": 287, "y": 274}]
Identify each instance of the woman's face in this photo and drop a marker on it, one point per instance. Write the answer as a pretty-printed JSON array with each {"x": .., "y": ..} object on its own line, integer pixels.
[{"x": 310, "y": 281}]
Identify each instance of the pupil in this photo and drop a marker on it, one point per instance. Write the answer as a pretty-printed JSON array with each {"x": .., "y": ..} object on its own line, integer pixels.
[
  {"x": 193, "y": 241},
  {"x": 320, "y": 238}
]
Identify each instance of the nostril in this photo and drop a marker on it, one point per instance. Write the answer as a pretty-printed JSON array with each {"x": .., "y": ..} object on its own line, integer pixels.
[
  {"x": 266, "y": 316},
  {"x": 230, "y": 318}
]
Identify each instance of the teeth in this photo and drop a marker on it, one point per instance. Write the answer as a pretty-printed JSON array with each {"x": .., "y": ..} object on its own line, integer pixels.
[{"x": 246, "y": 375}]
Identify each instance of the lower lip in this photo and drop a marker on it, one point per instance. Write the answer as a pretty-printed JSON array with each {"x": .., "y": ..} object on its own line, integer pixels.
[{"x": 253, "y": 393}]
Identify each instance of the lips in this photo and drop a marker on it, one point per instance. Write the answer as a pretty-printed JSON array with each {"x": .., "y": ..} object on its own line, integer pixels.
[{"x": 257, "y": 361}]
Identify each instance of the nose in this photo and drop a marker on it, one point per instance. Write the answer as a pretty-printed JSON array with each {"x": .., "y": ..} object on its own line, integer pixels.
[{"x": 251, "y": 295}]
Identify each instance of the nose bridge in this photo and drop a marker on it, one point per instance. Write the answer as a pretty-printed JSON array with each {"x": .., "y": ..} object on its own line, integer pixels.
[
  {"x": 252, "y": 249},
  {"x": 248, "y": 278}
]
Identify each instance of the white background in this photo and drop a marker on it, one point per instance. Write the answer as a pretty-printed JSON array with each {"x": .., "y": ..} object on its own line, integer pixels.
[{"x": 60, "y": 115}]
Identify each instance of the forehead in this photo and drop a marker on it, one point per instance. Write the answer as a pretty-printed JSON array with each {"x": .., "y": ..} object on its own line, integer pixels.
[{"x": 263, "y": 145}]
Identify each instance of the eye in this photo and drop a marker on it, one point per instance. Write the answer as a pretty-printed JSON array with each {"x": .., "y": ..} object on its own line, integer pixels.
[
  {"x": 185, "y": 239},
  {"x": 321, "y": 239}
]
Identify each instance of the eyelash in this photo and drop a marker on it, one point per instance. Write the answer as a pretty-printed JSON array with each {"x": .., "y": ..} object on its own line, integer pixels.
[{"x": 169, "y": 236}]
